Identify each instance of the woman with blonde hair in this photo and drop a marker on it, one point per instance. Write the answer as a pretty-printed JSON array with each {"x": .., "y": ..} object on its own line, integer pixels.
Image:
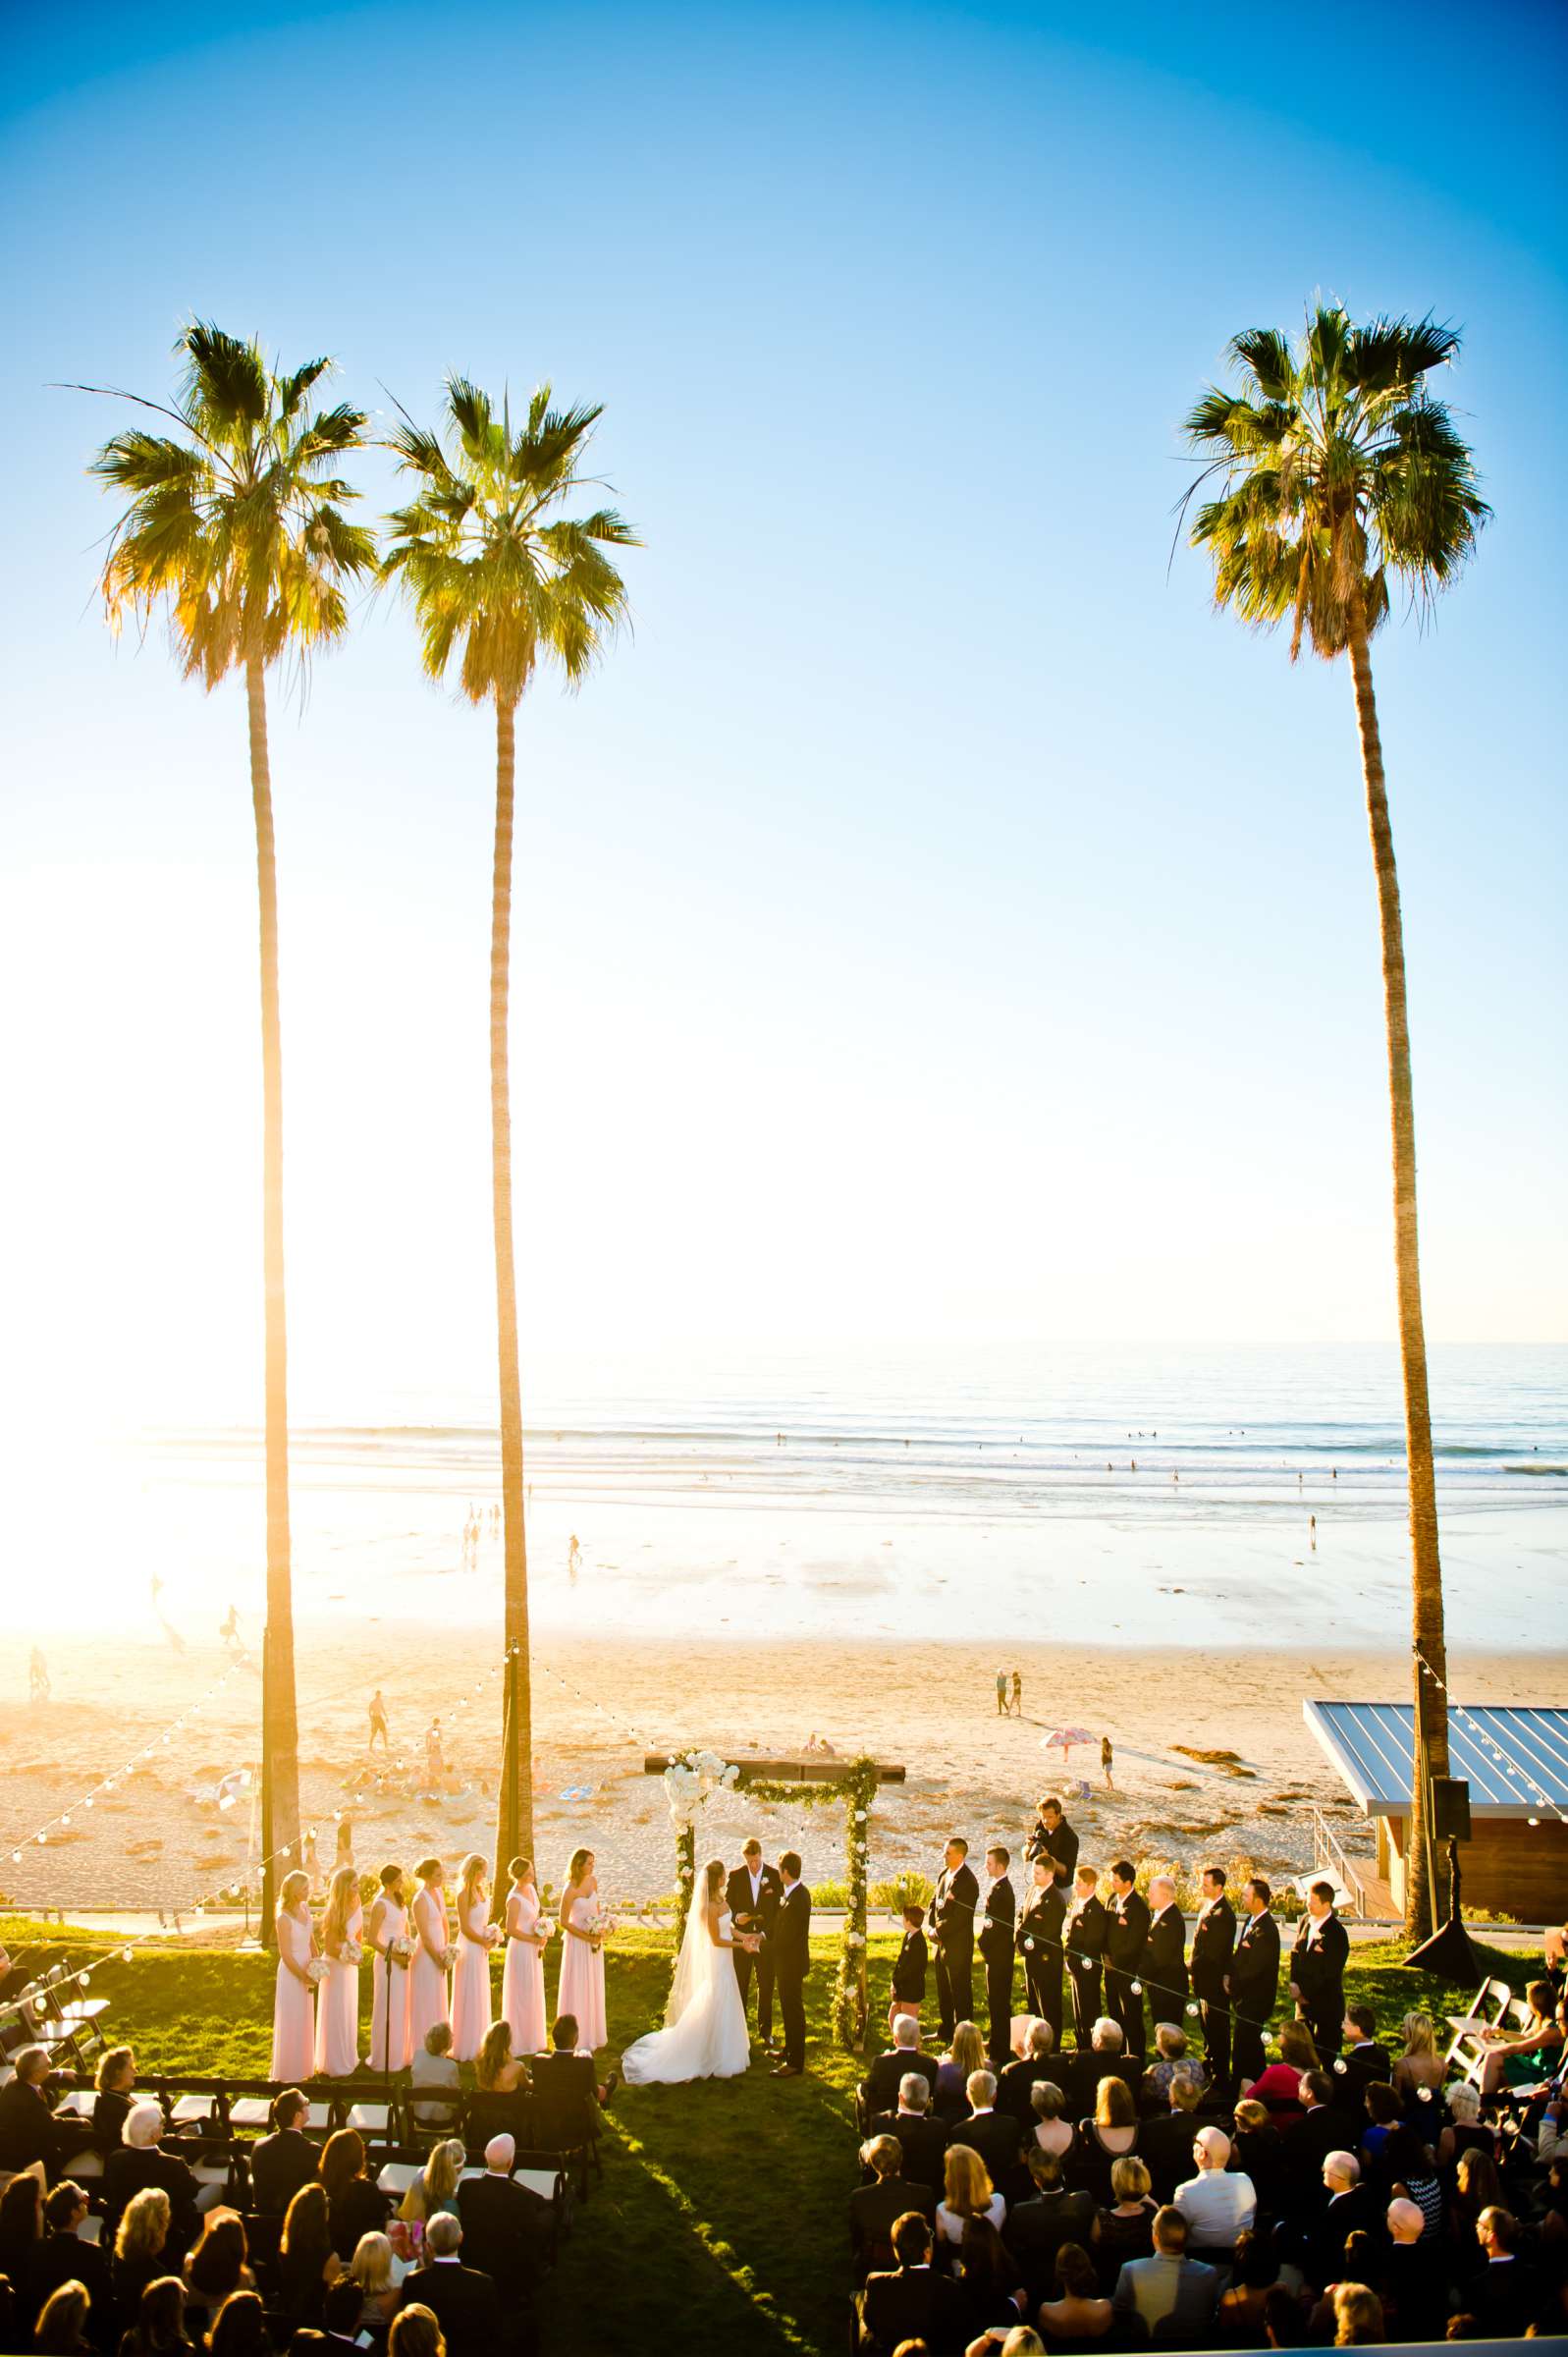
[
  {"x": 373, "y": 2270},
  {"x": 434, "y": 2188},
  {"x": 968, "y": 2193},
  {"x": 1105, "y": 2139},
  {"x": 338, "y": 2002},
  {"x": 62, "y": 2328},
  {"x": 470, "y": 1983},
  {"x": 1358, "y": 2316},
  {"x": 138, "y": 2246},
  {"x": 965, "y": 2055},
  {"x": 415, "y": 2334},
  {"x": 1126, "y": 2229},
  {"x": 581, "y": 1990},
  {"x": 428, "y": 2001},
  {"x": 1420, "y": 2070},
  {"x": 294, "y": 2003},
  {"x": 498, "y": 2070},
  {"x": 522, "y": 1979}
]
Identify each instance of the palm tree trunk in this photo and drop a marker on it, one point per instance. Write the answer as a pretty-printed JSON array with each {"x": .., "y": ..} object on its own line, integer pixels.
[
  {"x": 514, "y": 1807},
  {"x": 280, "y": 1733},
  {"x": 1423, "y": 1895}
]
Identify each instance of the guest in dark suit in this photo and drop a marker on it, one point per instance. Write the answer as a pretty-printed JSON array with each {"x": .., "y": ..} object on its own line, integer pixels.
[
  {"x": 1253, "y": 1979},
  {"x": 999, "y": 1922},
  {"x": 506, "y": 2226},
  {"x": 463, "y": 2301},
  {"x": 282, "y": 2160},
  {"x": 1053, "y": 1837},
  {"x": 1083, "y": 1940},
  {"x": 1017, "y": 2082},
  {"x": 792, "y": 1961},
  {"x": 1037, "y": 2228},
  {"x": 1318, "y": 1970},
  {"x": 875, "y": 2209},
  {"x": 1214, "y": 1941},
  {"x": 1349, "y": 2209},
  {"x": 566, "y": 2111},
  {"x": 913, "y": 2304},
  {"x": 62, "y": 2257},
  {"x": 1164, "y": 2142},
  {"x": 28, "y": 2130},
  {"x": 908, "y": 1993},
  {"x": 752, "y": 1894},
  {"x": 138, "y": 2164},
  {"x": 1164, "y": 1966},
  {"x": 1367, "y": 2064},
  {"x": 1040, "y": 1944},
  {"x": 953, "y": 1907},
  {"x": 879, "y": 2088},
  {"x": 1126, "y": 1946},
  {"x": 923, "y": 2138},
  {"x": 1321, "y": 2130},
  {"x": 996, "y": 2138}
]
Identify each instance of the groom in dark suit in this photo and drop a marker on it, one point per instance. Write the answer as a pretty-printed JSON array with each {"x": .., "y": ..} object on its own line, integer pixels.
[
  {"x": 792, "y": 1961},
  {"x": 954, "y": 1904},
  {"x": 752, "y": 1894}
]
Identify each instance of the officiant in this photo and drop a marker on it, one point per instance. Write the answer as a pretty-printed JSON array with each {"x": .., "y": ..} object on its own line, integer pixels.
[{"x": 752, "y": 1894}]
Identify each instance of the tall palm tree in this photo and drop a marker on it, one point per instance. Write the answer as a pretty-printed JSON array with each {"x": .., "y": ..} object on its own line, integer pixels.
[
  {"x": 1335, "y": 471},
  {"x": 490, "y": 567},
  {"x": 235, "y": 525}
]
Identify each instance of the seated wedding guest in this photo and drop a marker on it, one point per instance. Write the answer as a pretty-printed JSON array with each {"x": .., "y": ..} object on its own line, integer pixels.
[
  {"x": 1166, "y": 2141},
  {"x": 1054, "y": 2133},
  {"x": 1279, "y": 2085},
  {"x": 462, "y": 2300},
  {"x": 282, "y": 2160},
  {"x": 28, "y": 2132},
  {"x": 989, "y": 2132},
  {"x": 1105, "y": 2139},
  {"x": 415, "y": 2334},
  {"x": 966, "y": 2054},
  {"x": 376, "y": 2276},
  {"x": 307, "y": 2260},
  {"x": 1219, "y": 2202},
  {"x": 1167, "y": 2283},
  {"x": 1358, "y": 2316},
  {"x": 62, "y": 2257},
  {"x": 1464, "y": 2130},
  {"x": 922, "y": 2138},
  {"x": 1170, "y": 2058},
  {"x": 1125, "y": 2231},
  {"x": 138, "y": 2251},
  {"x": 1477, "y": 2186},
  {"x": 1257, "y": 2147},
  {"x": 1504, "y": 2295},
  {"x": 1365, "y": 2060},
  {"x": 1104, "y": 2057},
  {"x": 159, "y": 2329},
  {"x": 114, "y": 2079},
  {"x": 1034, "y": 2067},
  {"x": 497, "y": 2070},
  {"x": 436, "y": 2079},
  {"x": 1323, "y": 2128},
  {"x": 1350, "y": 2209},
  {"x": 989, "y": 2281},
  {"x": 1038, "y": 2228},
  {"x": 1414, "y": 2288},
  {"x": 1409, "y": 2176},
  {"x": 355, "y": 2204},
  {"x": 967, "y": 2192},
  {"x": 908, "y": 1993},
  {"x": 566, "y": 2095},
  {"x": 1384, "y": 2112},
  {"x": 1241, "y": 2318},
  {"x": 435, "y": 2189},
  {"x": 507, "y": 2226},
  {"x": 914, "y": 2302},
  {"x": 140, "y": 2163},
  {"x": 1421, "y": 2068},
  {"x": 1284, "y": 2318},
  {"x": 20, "y": 2225},
  {"x": 875, "y": 2209},
  {"x": 1022, "y": 2341},
  {"x": 62, "y": 2328},
  {"x": 239, "y": 2328},
  {"x": 1511, "y": 2058},
  {"x": 879, "y": 2086},
  {"x": 342, "y": 2311},
  {"x": 1078, "y": 2315},
  {"x": 218, "y": 2263}
]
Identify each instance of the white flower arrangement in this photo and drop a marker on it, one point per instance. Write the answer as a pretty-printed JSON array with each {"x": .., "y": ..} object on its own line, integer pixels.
[
  {"x": 401, "y": 1950},
  {"x": 316, "y": 1971},
  {"x": 691, "y": 1781},
  {"x": 601, "y": 1922},
  {"x": 353, "y": 1952}
]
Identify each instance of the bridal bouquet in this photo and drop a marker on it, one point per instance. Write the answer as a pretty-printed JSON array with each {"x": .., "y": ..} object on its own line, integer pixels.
[{"x": 316, "y": 1971}]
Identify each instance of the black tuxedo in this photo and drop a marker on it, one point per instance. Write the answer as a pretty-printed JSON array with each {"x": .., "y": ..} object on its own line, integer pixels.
[
  {"x": 792, "y": 1961},
  {"x": 1164, "y": 1966},
  {"x": 1254, "y": 1989},
  {"x": 952, "y": 1916},
  {"x": 874, "y": 2211},
  {"x": 566, "y": 2101},
  {"x": 1214, "y": 1941},
  {"x": 1307, "y": 2144},
  {"x": 1062, "y": 1845},
  {"x": 131, "y": 2168},
  {"x": 505, "y": 2232},
  {"x": 881, "y": 2084},
  {"x": 998, "y": 2140},
  {"x": 1040, "y": 1944},
  {"x": 1015, "y": 2086},
  {"x": 28, "y": 2131},
  {"x": 280, "y": 2164},
  {"x": 915, "y": 2304},
  {"x": 761, "y": 1917},
  {"x": 909, "y": 1970},
  {"x": 1037, "y": 2229},
  {"x": 1346, "y": 2214},
  {"x": 1318, "y": 1969},
  {"x": 1083, "y": 1940},
  {"x": 463, "y": 2303},
  {"x": 998, "y": 1927},
  {"x": 925, "y": 2140},
  {"x": 1126, "y": 1946}
]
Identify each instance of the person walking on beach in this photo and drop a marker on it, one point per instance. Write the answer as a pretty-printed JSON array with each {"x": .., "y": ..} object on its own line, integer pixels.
[
  {"x": 1105, "y": 1761},
  {"x": 1017, "y": 1694},
  {"x": 1002, "y": 1694},
  {"x": 378, "y": 1722},
  {"x": 38, "y": 1676}
]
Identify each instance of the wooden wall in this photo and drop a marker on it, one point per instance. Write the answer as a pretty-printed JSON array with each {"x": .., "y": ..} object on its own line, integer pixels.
[{"x": 1508, "y": 1865}]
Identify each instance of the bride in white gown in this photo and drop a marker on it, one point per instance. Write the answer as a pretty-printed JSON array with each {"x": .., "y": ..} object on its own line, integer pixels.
[{"x": 705, "y": 2034}]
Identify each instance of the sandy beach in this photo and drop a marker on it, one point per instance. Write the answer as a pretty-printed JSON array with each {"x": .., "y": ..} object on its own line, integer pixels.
[{"x": 162, "y": 1839}]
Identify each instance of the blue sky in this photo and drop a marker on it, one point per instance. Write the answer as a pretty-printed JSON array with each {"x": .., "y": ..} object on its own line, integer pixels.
[{"x": 934, "y": 920}]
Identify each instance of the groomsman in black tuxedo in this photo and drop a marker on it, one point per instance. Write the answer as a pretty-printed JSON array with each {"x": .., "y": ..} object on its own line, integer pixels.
[
  {"x": 1164, "y": 1968},
  {"x": 1083, "y": 1940},
  {"x": 1214, "y": 1941},
  {"x": 1053, "y": 1837},
  {"x": 1253, "y": 1980},
  {"x": 1040, "y": 1944},
  {"x": 1318, "y": 1971},
  {"x": 792, "y": 1961},
  {"x": 1126, "y": 1944},
  {"x": 999, "y": 1922},
  {"x": 752, "y": 1894},
  {"x": 953, "y": 1907}
]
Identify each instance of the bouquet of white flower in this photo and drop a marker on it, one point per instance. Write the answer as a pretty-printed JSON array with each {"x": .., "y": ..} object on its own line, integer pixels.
[
  {"x": 401, "y": 1950},
  {"x": 601, "y": 1922},
  {"x": 353, "y": 1952},
  {"x": 316, "y": 1970}
]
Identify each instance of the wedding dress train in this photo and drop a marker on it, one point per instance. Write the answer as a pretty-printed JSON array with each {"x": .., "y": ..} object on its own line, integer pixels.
[{"x": 705, "y": 2034}]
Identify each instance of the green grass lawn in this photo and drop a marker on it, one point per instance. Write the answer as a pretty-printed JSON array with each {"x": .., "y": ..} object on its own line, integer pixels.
[{"x": 719, "y": 2226}]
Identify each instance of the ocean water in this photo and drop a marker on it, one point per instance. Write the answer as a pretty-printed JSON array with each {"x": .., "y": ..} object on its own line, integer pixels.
[{"x": 1222, "y": 1496}]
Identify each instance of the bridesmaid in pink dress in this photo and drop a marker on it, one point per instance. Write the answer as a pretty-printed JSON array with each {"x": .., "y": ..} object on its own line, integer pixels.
[
  {"x": 338, "y": 2002},
  {"x": 470, "y": 1983},
  {"x": 293, "y": 2006},
  {"x": 522, "y": 1982},
  {"x": 432, "y": 1957},
  {"x": 391, "y": 2048},
  {"x": 582, "y": 1967}
]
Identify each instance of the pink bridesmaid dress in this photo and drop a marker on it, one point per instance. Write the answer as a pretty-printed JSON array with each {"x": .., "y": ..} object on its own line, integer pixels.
[
  {"x": 522, "y": 1982},
  {"x": 338, "y": 2010},
  {"x": 583, "y": 1979},
  {"x": 470, "y": 1985},
  {"x": 293, "y": 2006},
  {"x": 427, "y": 1981},
  {"x": 390, "y": 2047}
]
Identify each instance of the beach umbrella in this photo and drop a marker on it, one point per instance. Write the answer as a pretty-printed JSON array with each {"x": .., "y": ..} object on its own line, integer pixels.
[{"x": 1063, "y": 1739}]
